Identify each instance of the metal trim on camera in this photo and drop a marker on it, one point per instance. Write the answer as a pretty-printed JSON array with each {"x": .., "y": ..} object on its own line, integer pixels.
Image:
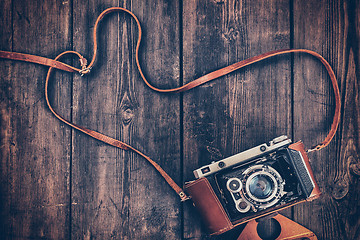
[{"x": 242, "y": 157}]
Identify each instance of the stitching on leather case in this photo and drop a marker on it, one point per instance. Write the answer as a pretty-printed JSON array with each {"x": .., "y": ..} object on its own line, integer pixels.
[{"x": 222, "y": 230}]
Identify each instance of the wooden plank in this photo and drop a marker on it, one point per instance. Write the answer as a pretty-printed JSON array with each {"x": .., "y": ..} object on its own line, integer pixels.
[
  {"x": 35, "y": 150},
  {"x": 324, "y": 26},
  {"x": 241, "y": 110},
  {"x": 346, "y": 193},
  {"x": 346, "y": 190},
  {"x": 118, "y": 194},
  {"x": 5, "y": 122}
]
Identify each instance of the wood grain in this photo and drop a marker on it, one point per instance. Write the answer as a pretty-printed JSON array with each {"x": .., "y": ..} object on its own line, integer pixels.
[
  {"x": 326, "y": 29},
  {"x": 109, "y": 185},
  {"x": 240, "y": 110},
  {"x": 56, "y": 183},
  {"x": 34, "y": 173}
]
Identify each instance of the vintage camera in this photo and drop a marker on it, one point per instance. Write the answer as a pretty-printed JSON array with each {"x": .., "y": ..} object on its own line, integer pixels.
[{"x": 252, "y": 184}]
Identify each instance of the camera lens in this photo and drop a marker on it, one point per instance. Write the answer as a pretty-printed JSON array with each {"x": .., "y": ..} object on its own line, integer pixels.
[
  {"x": 234, "y": 185},
  {"x": 261, "y": 186}
]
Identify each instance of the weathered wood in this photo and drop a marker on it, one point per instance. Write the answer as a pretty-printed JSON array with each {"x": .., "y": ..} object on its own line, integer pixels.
[
  {"x": 243, "y": 109},
  {"x": 323, "y": 26},
  {"x": 35, "y": 150},
  {"x": 350, "y": 144},
  {"x": 5, "y": 121},
  {"x": 118, "y": 194},
  {"x": 56, "y": 183},
  {"x": 345, "y": 194}
]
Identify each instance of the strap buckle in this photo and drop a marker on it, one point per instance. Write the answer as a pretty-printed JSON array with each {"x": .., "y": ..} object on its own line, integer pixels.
[
  {"x": 183, "y": 196},
  {"x": 315, "y": 148},
  {"x": 84, "y": 71}
]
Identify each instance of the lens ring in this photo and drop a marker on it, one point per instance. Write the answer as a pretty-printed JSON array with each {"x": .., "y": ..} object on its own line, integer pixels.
[
  {"x": 262, "y": 180},
  {"x": 261, "y": 186},
  {"x": 272, "y": 176},
  {"x": 234, "y": 185}
]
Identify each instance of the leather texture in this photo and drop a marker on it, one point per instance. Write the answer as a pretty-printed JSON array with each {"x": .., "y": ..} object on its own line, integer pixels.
[
  {"x": 212, "y": 212},
  {"x": 289, "y": 230},
  {"x": 44, "y": 61},
  {"x": 208, "y": 206},
  {"x": 85, "y": 69}
]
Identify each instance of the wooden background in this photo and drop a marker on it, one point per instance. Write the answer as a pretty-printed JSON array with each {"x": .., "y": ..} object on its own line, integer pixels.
[{"x": 56, "y": 183}]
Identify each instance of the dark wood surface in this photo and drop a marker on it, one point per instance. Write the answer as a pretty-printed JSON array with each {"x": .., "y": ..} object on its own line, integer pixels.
[{"x": 56, "y": 183}]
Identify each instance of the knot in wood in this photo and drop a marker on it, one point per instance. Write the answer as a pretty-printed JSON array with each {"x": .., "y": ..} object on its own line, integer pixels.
[
  {"x": 127, "y": 115},
  {"x": 127, "y": 110},
  {"x": 340, "y": 188},
  {"x": 215, "y": 154},
  {"x": 355, "y": 169},
  {"x": 231, "y": 34}
]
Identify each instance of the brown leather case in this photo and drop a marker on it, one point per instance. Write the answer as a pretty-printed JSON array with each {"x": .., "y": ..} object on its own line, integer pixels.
[
  {"x": 214, "y": 215},
  {"x": 212, "y": 212},
  {"x": 209, "y": 206}
]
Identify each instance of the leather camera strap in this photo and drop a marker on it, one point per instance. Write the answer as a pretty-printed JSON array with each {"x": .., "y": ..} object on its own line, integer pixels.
[{"x": 85, "y": 69}]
